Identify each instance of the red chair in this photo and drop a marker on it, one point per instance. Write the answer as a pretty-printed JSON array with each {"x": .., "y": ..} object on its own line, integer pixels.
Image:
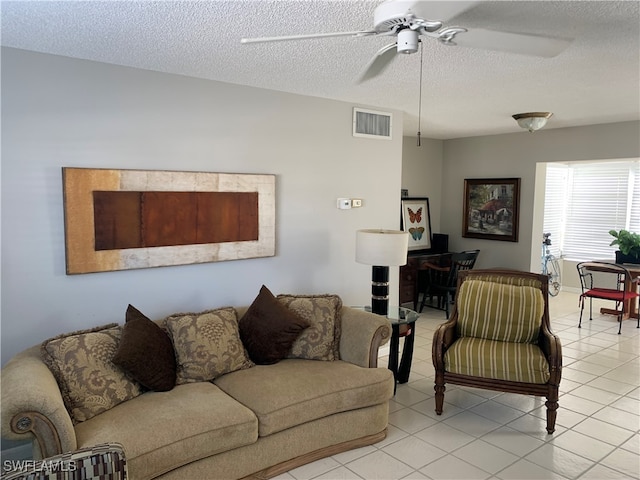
[{"x": 609, "y": 281}]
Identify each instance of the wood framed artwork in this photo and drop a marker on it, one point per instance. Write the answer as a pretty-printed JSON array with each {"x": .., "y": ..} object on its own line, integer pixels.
[
  {"x": 126, "y": 219},
  {"x": 416, "y": 219},
  {"x": 491, "y": 208}
]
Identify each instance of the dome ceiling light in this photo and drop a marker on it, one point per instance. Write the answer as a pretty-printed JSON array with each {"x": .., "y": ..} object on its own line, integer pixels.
[{"x": 532, "y": 121}]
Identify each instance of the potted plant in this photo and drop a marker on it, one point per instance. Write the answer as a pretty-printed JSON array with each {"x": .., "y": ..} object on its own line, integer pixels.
[{"x": 628, "y": 244}]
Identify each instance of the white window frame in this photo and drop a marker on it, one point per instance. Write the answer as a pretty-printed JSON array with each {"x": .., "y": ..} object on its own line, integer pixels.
[{"x": 600, "y": 197}]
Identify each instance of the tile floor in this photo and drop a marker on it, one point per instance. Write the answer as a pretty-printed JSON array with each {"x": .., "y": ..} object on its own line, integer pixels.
[{"x": 490, "y": 435}]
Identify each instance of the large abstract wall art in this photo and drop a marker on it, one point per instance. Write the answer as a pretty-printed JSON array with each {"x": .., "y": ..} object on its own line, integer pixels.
[{"x": 126, "y": 219}]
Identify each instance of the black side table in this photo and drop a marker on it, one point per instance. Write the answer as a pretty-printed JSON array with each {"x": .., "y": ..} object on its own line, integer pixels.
[{"x": 403, "y": 324}]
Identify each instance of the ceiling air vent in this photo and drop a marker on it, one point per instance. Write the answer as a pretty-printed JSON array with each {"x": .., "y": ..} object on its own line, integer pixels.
[{"x": 372, "y": 124}]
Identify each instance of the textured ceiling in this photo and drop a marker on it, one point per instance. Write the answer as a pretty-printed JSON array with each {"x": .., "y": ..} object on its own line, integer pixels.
[{"x": 466, "y": 92}]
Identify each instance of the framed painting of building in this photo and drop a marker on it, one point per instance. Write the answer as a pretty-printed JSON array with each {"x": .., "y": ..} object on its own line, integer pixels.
[{"x": 491, "y": 208}]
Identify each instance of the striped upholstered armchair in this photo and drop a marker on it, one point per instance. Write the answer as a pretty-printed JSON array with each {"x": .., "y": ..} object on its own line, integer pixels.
[{"x": 499, "y": 338}]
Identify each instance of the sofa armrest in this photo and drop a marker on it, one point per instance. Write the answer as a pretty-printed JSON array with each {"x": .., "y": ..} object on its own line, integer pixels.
[
  {"x": 363, "y": 333},
  {"x": 32, "y": 405}
]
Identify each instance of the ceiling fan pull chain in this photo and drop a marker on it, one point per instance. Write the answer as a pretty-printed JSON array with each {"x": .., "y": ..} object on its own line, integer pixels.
[{"x": 420, "y": 94}]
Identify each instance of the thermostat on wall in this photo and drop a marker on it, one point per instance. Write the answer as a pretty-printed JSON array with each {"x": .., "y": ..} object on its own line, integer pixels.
[{"x": 344, "y": 203}]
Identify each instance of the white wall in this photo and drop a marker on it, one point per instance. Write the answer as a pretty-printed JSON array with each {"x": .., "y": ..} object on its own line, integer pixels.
[
  {"x": 516, "y": 155},
  {"x": 422, "y": 173},
  {"x": 60, "y": 112}
]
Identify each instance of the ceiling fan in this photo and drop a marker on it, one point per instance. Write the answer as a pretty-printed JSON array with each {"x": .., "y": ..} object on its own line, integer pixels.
[{"x": 407, "y": 20}]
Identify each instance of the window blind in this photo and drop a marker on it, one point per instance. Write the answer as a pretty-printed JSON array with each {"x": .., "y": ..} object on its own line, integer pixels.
[
  {"x": 555, "y": 205},
  {"x": 601, "y": 196},
  {"x": 634, "y": 219}
]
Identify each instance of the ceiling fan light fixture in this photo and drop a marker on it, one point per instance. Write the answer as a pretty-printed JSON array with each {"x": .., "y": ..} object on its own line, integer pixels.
[
  {"x": 408, "y": 41},
  {"x": 532, "y": 121}
]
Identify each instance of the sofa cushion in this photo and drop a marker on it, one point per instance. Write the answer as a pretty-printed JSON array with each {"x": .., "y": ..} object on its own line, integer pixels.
[
  {"x": 321, "y": 341},
  {"x": 479, "y": 357},
  {"x": 268, "y": 329},
  {"x": 497, "y": 311},
  {"x": 295, "y": 391},
  {"x": 207, "y": 344},
  {"x": 146, "y": 353},
  {"x": 161, "y": 431},
  {"x": 81, "y": 363}
]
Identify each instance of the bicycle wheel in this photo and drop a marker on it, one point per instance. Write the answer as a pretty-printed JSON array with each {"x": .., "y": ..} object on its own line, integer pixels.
[{"x": 555, "y": 281}]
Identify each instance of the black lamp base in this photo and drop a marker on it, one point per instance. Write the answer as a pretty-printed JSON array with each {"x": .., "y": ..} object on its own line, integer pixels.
[{"x": 380, "y": 290}]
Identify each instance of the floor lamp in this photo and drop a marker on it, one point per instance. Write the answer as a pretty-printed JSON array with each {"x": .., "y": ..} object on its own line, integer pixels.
[{"x": 381, "y": 249}]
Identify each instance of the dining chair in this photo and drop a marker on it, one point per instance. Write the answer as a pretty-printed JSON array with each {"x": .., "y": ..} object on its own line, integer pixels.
[
  {"x": 442, "y": 279},
  {"x": 609, "y": 281}
]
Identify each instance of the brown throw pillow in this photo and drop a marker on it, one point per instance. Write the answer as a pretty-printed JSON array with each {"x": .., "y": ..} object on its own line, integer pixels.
[
  {"x": 321, "y": 341},
  {"x": 89, "y": 381},
  {"x": 268, "y": 329},
  {"x": 146, "y": 352},
  {"x": 207, "y": 344}
]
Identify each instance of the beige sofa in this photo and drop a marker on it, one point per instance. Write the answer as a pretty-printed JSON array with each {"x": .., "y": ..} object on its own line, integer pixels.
[{"x": 254, "y": 422}]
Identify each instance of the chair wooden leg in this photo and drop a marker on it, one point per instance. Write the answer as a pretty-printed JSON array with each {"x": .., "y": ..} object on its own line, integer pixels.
[
  {"x": 552, "y": 409},
  {"x": 424, "y": 299},
  {"x": 439, "y": 388}
]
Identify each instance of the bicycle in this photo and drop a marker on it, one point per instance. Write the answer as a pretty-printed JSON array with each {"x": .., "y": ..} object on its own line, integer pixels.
[{"x": 550, "y": 266}]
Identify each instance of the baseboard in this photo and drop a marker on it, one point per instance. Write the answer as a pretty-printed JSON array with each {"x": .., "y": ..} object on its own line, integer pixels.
[
  {"x": 570, "y": 289},
  {"x": 325, "y": 452}
]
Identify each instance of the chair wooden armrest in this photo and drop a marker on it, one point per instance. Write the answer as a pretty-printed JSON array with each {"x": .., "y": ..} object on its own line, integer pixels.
[
  {"x": 550, "y": 345},
  {"x": 433, "y": 266},
  {"x": 443, "y": 337}
]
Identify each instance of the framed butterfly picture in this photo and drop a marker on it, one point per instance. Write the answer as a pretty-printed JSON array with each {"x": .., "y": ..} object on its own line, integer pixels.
[{"x": 416, "y": 219}]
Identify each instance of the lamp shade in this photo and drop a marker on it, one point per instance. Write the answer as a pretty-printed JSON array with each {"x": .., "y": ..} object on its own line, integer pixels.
[{"x": 382, "y": 247}]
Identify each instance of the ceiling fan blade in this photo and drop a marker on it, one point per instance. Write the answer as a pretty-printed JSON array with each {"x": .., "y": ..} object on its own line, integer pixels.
[
  {"x": 440, "y": 10},
  {"x": 379, "y": 62},
  {"x": 363, "y": 33},
  {"x": 512, "y": 42}
]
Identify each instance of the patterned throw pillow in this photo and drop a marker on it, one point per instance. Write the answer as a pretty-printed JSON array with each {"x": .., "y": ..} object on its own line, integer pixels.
[
  {"x": 81, "y": 363},
  {"x": 207, "y": 345},
  {"x": 146, "y": 353},
  {"x": 321, "y": 341},
  {"x": 268, "y": 329}
]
